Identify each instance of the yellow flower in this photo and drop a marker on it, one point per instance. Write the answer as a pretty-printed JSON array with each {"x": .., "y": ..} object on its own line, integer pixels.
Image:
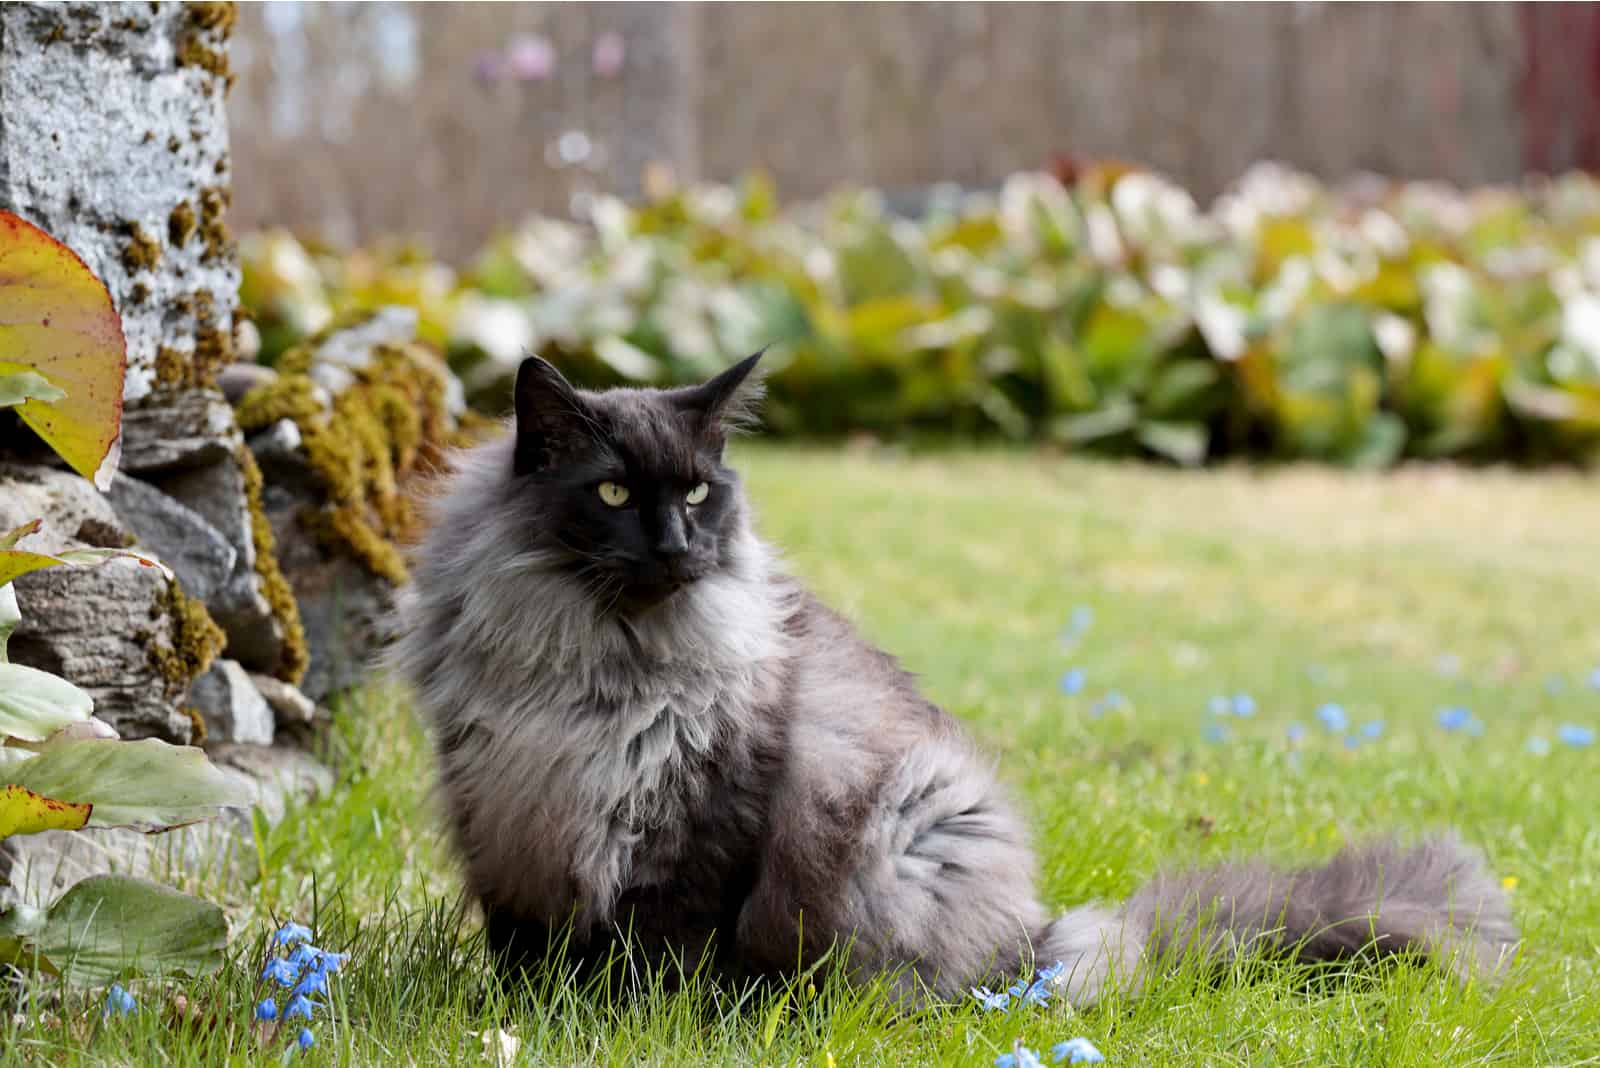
[{"x": 1509, "y": 882}]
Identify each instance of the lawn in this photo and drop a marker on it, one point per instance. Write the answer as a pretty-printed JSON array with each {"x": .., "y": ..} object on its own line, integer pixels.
[{"x": 994, "y": 575}]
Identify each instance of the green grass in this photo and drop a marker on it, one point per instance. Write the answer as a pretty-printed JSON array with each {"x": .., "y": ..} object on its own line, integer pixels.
[{"x": 1295, "y": 586}]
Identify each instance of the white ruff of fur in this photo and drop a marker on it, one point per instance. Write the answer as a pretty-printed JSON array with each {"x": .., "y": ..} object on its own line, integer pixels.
[{"x": 575, "y": 714}]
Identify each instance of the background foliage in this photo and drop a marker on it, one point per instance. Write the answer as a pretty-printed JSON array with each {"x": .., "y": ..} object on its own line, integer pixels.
[{"x": 1110, "y": 313}]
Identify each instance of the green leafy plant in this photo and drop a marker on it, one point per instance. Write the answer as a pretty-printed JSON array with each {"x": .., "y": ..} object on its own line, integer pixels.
[
  {"x": 62, "y": 363},
  {"x": 1108, "y": 313}
]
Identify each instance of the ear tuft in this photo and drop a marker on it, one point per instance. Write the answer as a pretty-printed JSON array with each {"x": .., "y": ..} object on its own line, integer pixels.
[{"x": 730, "y": 402}]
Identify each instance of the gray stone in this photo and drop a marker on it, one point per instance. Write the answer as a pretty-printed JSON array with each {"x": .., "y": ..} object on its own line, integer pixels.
[
  {"x": 237, "y": 379},
  {"x": 217, "y": 494},
  {"x": 75, "y": 513},
  {"x": 200, "y": 556},
  {"x": 279, "y": 775},
  {"x": 289, "y": 705},
  {"x": 177, "y": 429},
  {"x": 233, "y": 708},
  {"x": 393, "y": 324},
  {"x": 343, "y": 606},
  {"x": 115, "y": 141},
  {"x": 108, "y": 628}
]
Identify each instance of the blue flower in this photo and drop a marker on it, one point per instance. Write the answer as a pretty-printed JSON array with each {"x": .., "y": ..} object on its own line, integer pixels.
[
  {"x": 267, "y": 1009},
  {"x": 299, "y": 1005},
  {"x": 306, "y": 1039},
  {"x": 314, "y": 981},
  {"x": 1049, "y": 974},
  {"x": 991, "y": 1001},
  {"x": 1034, "y": 993},
  {"x": 1352, "y": 742},
  {"x": 1372, "y": 728},
  {"x": 280, "y": 971},
  {"x": 1574, "y": 735},
  {"x": 1077, "y": 1051},
  {"x": 1455, "y": 718},
  {"x": 1072, "y": 682},
  {"x": 1244, "y": 705},
  {"x": 119, "y": 1002},
  {"x": 1295, "y": 732},
  {"x": 1332, "y": 716},
  {"x": 1021, "y": 1057},
  {"x": 291, "y": 933},
  {"x": 331, "y": 962},
  {"x": 1538, "y": 746},
  {"x": 1215, "y": 732}
]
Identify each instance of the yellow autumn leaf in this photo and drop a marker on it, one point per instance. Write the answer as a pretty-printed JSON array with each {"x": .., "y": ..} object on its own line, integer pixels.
[
  {"x": 24, "y": 812},
  {"x": 57, "y": 320}
]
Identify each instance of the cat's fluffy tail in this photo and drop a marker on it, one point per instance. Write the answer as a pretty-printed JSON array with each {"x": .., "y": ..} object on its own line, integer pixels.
[{"x": 1435, "y": 898}]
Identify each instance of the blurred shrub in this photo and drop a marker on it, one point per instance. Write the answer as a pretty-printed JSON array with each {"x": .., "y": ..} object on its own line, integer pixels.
[{"x": 1111, "y": 313}]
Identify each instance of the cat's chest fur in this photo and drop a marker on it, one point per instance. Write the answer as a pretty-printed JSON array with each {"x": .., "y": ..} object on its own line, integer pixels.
[{"x": 584, "y": 778}]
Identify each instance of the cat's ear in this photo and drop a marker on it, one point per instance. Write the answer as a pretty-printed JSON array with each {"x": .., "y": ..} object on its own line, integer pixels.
[
  {"x": 730, "y": 402},
  {"x": 551, "y": 417}
]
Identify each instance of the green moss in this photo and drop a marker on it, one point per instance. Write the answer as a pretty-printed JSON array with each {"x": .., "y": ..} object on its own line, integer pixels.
[
  {"x": 195, "y": 640},
  {"x": 275, "y": 588},
  {"x": 142, "y": 251},
  {"x": 194, "y": 52},
  {"x": 287, "y": 397},
  {"x": 181, "y": 225},
  {"x": 388, "y": 426},
  {"x": 218, "y": 17},
  {"x": 197, "y": 724},
  {"x": 172, "y": 368},
  {"x": 214, "y": 233}
]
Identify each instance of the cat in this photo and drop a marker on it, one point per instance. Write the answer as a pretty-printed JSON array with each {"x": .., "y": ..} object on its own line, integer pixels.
[{"x": 649, "y": 735}]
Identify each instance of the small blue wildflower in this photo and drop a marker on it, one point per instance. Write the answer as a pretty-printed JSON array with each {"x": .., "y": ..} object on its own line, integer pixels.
[
  {"x": 119, "y": 1002},
  {"x": 314, "y": 981},
  {"x": 291, "y": 933},
  {"x": 1215, "y": 732},
  {"x": 1352, "y": 742},
  {"x": 306, "y": 1039},
  {"x": 991, "y": 1001},
  {"x": 267, "y": 1009},
  {"x": 1244, "y": 706},
  {"x": 1372, "y": 728},
  {"x": 1454, "y": 718},
  {"x": 1295, "y": 732},
  {"x": 1077, "y": 1051},
  {"x": 331, "y": 962},
  {"x": 280, "y": 971},
  {"x": 299, "y": 1005},
  {"x": 1020, "y": 1057},
  {"x": 1034, "y": 993},
  {"x": 1219, "y": 705},
  {"x": 1332, "y": 716},
  {"x": 1538, "y": 746},
  {"x": 1049, "y": 974},
  {"x": 1072, "y": 682},
  {"x": 303, "y": 954},
  {"x": 1574, "y": 735}
]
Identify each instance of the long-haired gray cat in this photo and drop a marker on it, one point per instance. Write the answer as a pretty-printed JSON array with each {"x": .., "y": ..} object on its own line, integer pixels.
[{"x": 645, "y": 727}]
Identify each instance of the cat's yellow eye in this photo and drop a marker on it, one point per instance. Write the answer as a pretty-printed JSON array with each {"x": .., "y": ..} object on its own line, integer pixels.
[
  {"x": 613, "y": 493},
  {"x": 698, "y": 494}
]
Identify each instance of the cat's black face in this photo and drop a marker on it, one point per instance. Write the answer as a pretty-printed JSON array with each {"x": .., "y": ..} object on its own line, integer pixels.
[{"x": 629, "y": 485}]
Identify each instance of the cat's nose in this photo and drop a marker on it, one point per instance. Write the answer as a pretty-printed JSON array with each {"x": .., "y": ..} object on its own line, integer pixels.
[{"x": 673, "y": 539}]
